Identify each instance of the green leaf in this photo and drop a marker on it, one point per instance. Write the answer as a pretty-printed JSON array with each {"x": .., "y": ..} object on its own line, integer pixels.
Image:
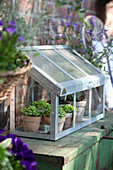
[
  {"x": 6, "y": 143},
  {"x": 2, "y": 154},
  {"x": 61, "y": 3}
]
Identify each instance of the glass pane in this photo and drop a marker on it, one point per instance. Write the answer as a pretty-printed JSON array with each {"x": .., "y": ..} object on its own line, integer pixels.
[
  {"x": 79, "y": 61},
  {"x": 86, "y": 114},
  {"x": 48, "y": 67},
  {"x": 82, "y": 112},
  {"x": 97, "y": 101},
  {"x": 63, "y": 63},
  {"x": 66, "y": 103},
  {"x": 36, "y": 105},
  {"x": 4, "y": 114}
]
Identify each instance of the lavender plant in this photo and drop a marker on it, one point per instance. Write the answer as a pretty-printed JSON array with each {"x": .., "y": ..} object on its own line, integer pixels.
[
  {"x": 14, "y": 11},
  {"x": 72, "y": 34},
  {"x": 15, "y": 154},
  {"x": 10, "y": 57}
]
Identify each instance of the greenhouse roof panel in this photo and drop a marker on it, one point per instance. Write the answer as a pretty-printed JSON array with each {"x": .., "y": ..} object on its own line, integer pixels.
[
  {"x": 63, "y": 63},
  {"x": 78, "y": 61},
  {"x": 63, "y": 68},
  {"x": 48, "y": 67}
]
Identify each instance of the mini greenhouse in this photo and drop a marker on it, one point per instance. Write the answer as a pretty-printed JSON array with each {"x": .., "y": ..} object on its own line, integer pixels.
[{"x": 70, "y": 89}]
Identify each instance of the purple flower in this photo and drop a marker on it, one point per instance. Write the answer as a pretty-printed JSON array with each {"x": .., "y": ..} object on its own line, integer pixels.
[
  {"x": 68, "y": 16},
  {"x": 20, "y": 38},
  {"x": 68, "y": 23},
  {"x": 21, "y": 152},
  {"x": 90, "y": 32},
  {"x": 28, "y": 159},
  {"x": 1, "y": 23},
  {"x": 57, "y": 35},
  {"x": 12, "y": 137},
  {"x": 62, "y": 22},
  {"x": 1, "y": 131},
  {"x": 92, "y": 21},
  {"x": 82, "y": 49},
  {"x": 77, "y": 15},
  {"x": 68, "y": 11},
  {"x": 73, "y": 7},
  {"x": 10, "y": 30},
  {"x": 75, "y": 26},
  {"x": 54, "y": 28},
  {"x": 51, "y": 41},
  {"x": 28, "y": 155},
  {"x": 63, "y": 35},
  {"x": 2, "y": 138},
  {"x": 25, "y": 148},
  {"x": 51, "y": 19},
  {"x": 12, "y": 23},
  {"x": 28, "y": 165}
]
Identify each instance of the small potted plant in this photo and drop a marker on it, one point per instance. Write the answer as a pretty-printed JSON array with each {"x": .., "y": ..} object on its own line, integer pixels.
[
  {"x": 80, "y": 104},
  {"x": 68, "y": 116},
  {"x": 41, "y": 105},
  {"x": 47, "y": 114},
  {"x": 31, "y": 119},
  {"x": 61, "y": 117}
]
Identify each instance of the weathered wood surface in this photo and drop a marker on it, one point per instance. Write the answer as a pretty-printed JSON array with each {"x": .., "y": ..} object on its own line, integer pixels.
[{"x": 72, "y": 145}]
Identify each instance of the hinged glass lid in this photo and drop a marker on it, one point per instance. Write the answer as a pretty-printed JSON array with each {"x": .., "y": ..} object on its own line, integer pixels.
[
  {"x": 48, "y": 67},
  {"x": 78, "y": 61},
  {"x": 63, "y": 62},
  {"x": 64, "y": 67}
]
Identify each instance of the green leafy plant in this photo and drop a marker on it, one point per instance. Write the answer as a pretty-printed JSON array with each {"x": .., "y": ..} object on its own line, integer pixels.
[
  {"x": 79, "y": 96},
  {"x": 41, "y": 104},
  {"x": 47, "y": 111},
  {"x": 68, "y": 108},
  {"x": 30, "y": 111},
  {"x": 5, "y": 155},
  {"x": 61, "y": 112}
]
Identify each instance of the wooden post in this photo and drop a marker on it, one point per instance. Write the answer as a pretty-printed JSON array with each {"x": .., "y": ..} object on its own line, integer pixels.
[{"x": 12, "y": 109}]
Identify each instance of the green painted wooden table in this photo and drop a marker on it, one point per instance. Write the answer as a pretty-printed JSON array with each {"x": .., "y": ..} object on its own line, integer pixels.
[{"x": 83, "y": 149}]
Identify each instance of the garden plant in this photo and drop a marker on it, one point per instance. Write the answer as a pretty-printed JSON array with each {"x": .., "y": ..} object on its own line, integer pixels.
[
  {"x": 71, "y": 33},
  {"x": 30, "y": 111},
  {"x": 15, "y": 154}
]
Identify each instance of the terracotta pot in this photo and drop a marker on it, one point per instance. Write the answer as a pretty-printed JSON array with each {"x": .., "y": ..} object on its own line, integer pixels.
[
  {"x": 60, "y": 122},
  {"x": 80, "y": 110},
  {"x": 31, "y": 124},
  {"x": 47, "y": 120},
  {"x": 68, "y": 120}
]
